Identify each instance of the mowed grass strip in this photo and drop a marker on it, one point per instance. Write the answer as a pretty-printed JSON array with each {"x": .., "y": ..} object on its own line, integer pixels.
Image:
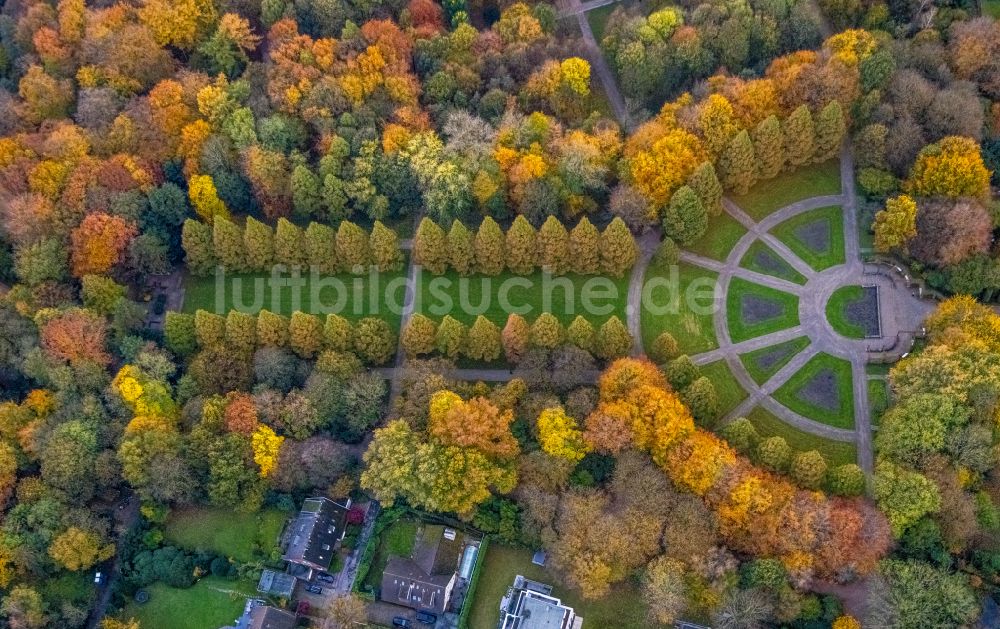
[
  {"x": 821, "y": 253},
  {"x": 722, "y": 234},
  {"x": 622, "y": 607},
  {"x": 210, "y": 603},
  {"x": 762, "y": 259},
  {"x": 813, "y": 180},
  {"x": 835, "y": 452},
  {"x": 763, "y": 363},
  {"x": 351, "y": 296},
  {"x": 727, "y": 388},
  {"x": 243, "y": 537},
  {"x": 837, "y": 405},
  {"x": 878, "y": 399},
  {"x": 595, "y": 297},
  {"x": 749, "y": 321},
  {"x": 680, "y": 300}
]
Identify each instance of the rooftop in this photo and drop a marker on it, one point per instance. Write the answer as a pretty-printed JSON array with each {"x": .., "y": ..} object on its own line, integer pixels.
[{"x": 312, "y": 537}]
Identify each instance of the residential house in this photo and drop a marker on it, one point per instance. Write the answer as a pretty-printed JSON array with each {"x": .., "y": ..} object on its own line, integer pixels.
[
  {"x": 257, "y": 614},
  {"x": 280, "y": 584},
  {"x": 530, "y": 605},
  {"x": 313, "y": 537},
  {"x": 426, "y": 579}
]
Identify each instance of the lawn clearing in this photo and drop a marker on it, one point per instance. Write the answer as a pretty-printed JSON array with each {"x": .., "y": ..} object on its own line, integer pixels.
[
  {"x": 762, "y": 259},
  {"x": 398, "y": 540},
  {"x": 622, "y": 607},
  {"x": 727, "y": 388},
  {"x": 816, "y": 236},
  {"x": 754, "y": 310},
  {"x": 210, "y": 603},
  {"x": 853, "y": 312},
  {"x": 809, "y": 181},
  {"x": 352, "y": 296},
  {"x": 683, "y": 297},
  {"x": 991, "y": 8},
  {"x": 763, "y": 363},
  {"x": 822, "y": 390},
  {"x": 721, "y": 236},
  {"x": 835, "y": 452},
  {"x": 464, "y": 298},
  {"x": 243, "y": 537}
]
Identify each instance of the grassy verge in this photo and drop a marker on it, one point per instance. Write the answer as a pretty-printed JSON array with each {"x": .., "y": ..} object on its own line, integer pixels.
[
  {"x": 836, "y": 311},
  {"x": 210, "y": 603},
  {"x": 721, "y": 236},
  {"x": 740, "y": 330},
  {"x": 780, "y": 269},
  {"x": 352, "y": 296},
  {"x": 681, "y": 293},
  {"x": 819, "y": 259},
  {"x": 623, "y": 607},
  {"x": 878, "y": 398},
  {"x": 873, "y": 369},
  {"x": 594, "y": 297},
  {"x": 835, "y": 452},
  {"x": 761, "y": 374},
  {"x": 397, "y": 539},
  {"x": 843, "y": 415},
  {"x": 728, "y": 390},
  {"x": 809, "y": 181},
  {"x": 241, "y": 537}
]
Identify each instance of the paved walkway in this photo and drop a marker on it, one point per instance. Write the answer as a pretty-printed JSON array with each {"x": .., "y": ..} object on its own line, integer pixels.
[{"x": 901, "y": 313}]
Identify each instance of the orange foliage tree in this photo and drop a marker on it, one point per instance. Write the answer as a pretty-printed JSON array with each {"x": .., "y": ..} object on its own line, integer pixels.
[
  {"x": 99, "y": 243},
  {"x": 74, "y": 336}
]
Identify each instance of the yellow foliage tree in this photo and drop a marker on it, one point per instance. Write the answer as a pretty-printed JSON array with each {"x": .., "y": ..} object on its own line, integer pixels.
[
  {"x": 896, "y": 224},
  {"x": 76, "y": 549},
  {"x": 266, "y": 446},
  {"x": 952, "y": 167},
  {"x": 180, "y": 23},
  {"x": 205, "y": 198},
  {"x": 575, "y": 74},
  {"x": 560, "y": 436}
]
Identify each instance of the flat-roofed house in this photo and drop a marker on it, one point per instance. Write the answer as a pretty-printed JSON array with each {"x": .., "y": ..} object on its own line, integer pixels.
[{"x": 530, "y": 605}]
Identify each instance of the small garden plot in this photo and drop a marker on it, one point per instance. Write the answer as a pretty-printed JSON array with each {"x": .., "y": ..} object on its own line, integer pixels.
[
  {"x": 238, "y": 536},
  {"x": 594, "y": 297},
  {"x": 351, "y": 296},
  {"x": 762, "y": 259},
  {"x": 753, "y": 310},
  {"x": 397, "y": 539},
  {"x": 210, "y": 603},
  {"x": 853, "y": 312},
  {"x": 835, "y": 452},
  {"x": 763, "y": 363},
  {"x": 821, "y": 391},
  {"x": 680, "y": 301},
  {"x": 622, "y": 607},
  {"x": 727, "y": 389},
  {"x": 816, "y": 236},
  {"x": 813, "y": 180},
  {"x": 722, "y": 234}
]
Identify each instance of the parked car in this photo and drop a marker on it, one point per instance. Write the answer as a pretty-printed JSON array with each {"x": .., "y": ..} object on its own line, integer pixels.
[
  {"x": 399, "y": 621},
  {"x": 426, "y": 618},
  {"x": 325, "y": 578},
  {"x": 314, "y": 589}
]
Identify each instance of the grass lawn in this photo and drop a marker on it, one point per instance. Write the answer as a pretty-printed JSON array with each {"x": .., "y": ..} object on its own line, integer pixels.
[
  {"x": 728, "y": 390},
  {"x": 878, "y": 398},
  {"x": 352, "y": 296},
  {"x": 809, "y": 181},
  {"x": 623, "y": 607},
  {"x": 877, "y": 369},
  {"x": 760, "y": 299},
  {"x": 241, "y": 537},
  {"x": 397, "y": 539},
  {"x": 210, "y": 603},
  {"x": 834, "y": 410},
  {"x": 684, "y": 306},
  {"x": 762, "y": 259},
  {"x": 782, "y": 353},
  {"x": 594, "y": 297},
  {"x": 836, "y": 311},
  {"x": 598, "y": 17},
  {"x": 991, "y": 7},
  {"x": 824, "y": 251},
  {"x": 836, "y": 452},
  {"x": 720, "y": 237}
]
